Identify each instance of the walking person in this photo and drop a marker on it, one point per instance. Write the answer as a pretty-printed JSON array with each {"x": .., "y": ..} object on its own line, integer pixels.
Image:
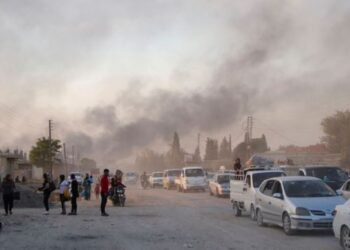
[
  {"x": 104, "y": 191},
  {"x": 75, "y": 195},
  {"x": 45, "y": 188},
  {"x": 8, "y": 188},
  {"x": 64, "y": 185},
  {"x": 87, "y": 187}
]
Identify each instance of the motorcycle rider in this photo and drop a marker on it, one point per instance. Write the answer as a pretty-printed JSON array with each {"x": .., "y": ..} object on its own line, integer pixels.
[{"x": 117, "y": 184}]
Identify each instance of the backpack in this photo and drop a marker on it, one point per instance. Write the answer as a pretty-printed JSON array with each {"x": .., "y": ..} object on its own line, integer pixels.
[{"x": 52, "y": 186}]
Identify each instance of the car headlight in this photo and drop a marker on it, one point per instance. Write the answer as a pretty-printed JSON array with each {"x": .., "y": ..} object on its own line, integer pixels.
[{"x": 302, "y": 211}]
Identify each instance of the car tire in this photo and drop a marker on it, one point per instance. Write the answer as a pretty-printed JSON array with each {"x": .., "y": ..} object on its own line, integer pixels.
[
  {"x": 345, "y": 238},
  {"x": 259, "y": 218},
  {"x": 252, "y": 213},
  {"x": 287, "y": 225},
  {"x": 236, "y": 211}
]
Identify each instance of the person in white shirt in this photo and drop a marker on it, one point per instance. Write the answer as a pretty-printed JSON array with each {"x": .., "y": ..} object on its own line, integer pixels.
[{"x": 63, "y": 186}]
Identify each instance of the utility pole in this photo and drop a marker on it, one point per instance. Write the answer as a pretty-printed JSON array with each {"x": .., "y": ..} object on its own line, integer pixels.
[
  {"x": 50, "y": 150},
  {"x": 65, "y": 159},
  {"x": 250, "y": 127}
]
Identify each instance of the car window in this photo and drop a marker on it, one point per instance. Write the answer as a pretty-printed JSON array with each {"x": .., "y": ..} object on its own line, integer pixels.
[
  {"x": 277, "y": 188},
  {"x": 301, "y": 173},
  {"x": 195, "y": 172},
  {"x": 268, "y": 188},
  {"x": 258, "y": 178},
  {"x": 307, "y": 188},
  {"x": 247, "y": 181},
  {"x": 347, "y": 188}
]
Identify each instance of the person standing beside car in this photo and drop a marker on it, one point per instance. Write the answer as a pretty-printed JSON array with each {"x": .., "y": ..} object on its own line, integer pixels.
[{"x": 8, "y": 188}]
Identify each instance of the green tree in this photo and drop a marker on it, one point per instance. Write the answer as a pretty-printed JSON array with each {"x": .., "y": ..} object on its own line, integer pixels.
[
  {"x": 211, "y": 150},
  {"x": 197, "y": 155},
  {"x": 337, "y": 134},
  {"x": 175, "y": 156},
  {"x": 44, "y": 152},
  {"x": 225, "y": 149}
]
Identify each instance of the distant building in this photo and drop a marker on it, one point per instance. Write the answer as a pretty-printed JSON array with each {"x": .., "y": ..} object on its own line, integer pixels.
[{"x": 14, "y": 163}]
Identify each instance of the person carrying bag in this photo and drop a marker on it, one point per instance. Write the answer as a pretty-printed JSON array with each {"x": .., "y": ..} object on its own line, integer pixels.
[{"x": 8, "y": 189}]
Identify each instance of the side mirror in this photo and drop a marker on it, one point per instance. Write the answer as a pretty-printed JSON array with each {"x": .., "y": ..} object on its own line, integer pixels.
[{"x": 277, "y": 196}]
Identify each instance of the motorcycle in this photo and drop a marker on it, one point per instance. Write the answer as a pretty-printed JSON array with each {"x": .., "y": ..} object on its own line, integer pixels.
[{"x": 117, "y": 196}]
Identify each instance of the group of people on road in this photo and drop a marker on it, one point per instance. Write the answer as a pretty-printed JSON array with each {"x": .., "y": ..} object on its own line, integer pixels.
[{"x": 70, "y": 191}]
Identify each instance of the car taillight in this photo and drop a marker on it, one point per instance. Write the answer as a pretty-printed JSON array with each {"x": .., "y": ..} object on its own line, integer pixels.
[{"x": 334, "y": 213}]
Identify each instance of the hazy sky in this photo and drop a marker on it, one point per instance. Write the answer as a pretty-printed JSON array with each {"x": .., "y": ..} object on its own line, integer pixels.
[{"x": 118, "y": 76}]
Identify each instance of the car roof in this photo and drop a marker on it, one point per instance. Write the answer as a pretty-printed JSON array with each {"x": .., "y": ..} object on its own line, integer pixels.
[
  {"x": 174, "y": 169},
  {"x": 295, "y": 178},
  {"x": 318, "y": 166},
  {"x": 185, "y": 168}
]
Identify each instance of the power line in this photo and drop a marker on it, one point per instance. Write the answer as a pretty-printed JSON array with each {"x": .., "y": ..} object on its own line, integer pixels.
[{"x": 275, "y": 132}]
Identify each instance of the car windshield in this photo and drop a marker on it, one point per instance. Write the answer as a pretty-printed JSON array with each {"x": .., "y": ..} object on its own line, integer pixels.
[
  {"x": 176, "y": 173},
  {"x": 328, "y": 173},
  {"x": 258, "y": 178},
  {"x": 195, "y": 172},
  {"x": 158, "y": 175},
  {"x": 307, "y": 188},
  {"x": 224, "y": 178}
]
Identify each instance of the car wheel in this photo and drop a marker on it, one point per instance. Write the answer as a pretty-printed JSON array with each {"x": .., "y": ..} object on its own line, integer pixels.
[
  {"x": 236, "y": 211},
  {"x": 252, "y": 213},
  {"x": 287, "y": 225},
  {"x": 259, "y": 218},
  {"x": 345, "y": 238}
]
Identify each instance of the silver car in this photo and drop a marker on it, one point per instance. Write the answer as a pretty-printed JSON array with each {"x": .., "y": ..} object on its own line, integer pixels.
[{"x": 296, "y": 203}]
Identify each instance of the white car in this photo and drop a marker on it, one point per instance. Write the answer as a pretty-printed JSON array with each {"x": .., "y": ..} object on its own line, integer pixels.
[
  {"x": 191, "y": 178},
  {"x": 170, "y": 176},
  {"x": 220, "y": 185},
  {"x": 78, "y": 176},
  {"x": 296, "y": 203},
  {"x": 345, "y": 190},
  {"x": 341, "y": 224},
  {"x": 156, "y": 179}
]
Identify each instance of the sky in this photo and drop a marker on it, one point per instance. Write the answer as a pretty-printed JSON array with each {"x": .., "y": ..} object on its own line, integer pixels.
[{"x": 120, "y": 76}]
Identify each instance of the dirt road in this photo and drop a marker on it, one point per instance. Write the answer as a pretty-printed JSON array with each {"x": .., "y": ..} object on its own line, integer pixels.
[{"x": 153, "y": 219}]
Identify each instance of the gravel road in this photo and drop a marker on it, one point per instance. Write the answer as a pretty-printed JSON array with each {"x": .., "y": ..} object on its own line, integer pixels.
[{"x": 153, "y": 219}]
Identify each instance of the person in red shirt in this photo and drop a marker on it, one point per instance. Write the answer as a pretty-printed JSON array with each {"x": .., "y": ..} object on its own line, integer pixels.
[{"x": 104, "y": 191}]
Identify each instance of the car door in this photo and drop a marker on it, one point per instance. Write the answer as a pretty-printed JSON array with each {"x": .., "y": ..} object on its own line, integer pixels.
[
  {"x": 276, "y": 204},
  {"x": 265, "y": 200}
]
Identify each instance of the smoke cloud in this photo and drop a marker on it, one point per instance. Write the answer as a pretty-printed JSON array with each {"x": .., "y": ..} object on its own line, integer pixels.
[{"x": 121, "y": 77}]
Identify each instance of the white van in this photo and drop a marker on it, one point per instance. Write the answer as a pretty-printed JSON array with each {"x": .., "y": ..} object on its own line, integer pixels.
[{"x": 191, "y": 178}]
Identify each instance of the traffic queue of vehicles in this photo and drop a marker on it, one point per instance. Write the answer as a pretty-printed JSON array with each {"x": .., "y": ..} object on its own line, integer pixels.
[{"x": 308, "y": 198}]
